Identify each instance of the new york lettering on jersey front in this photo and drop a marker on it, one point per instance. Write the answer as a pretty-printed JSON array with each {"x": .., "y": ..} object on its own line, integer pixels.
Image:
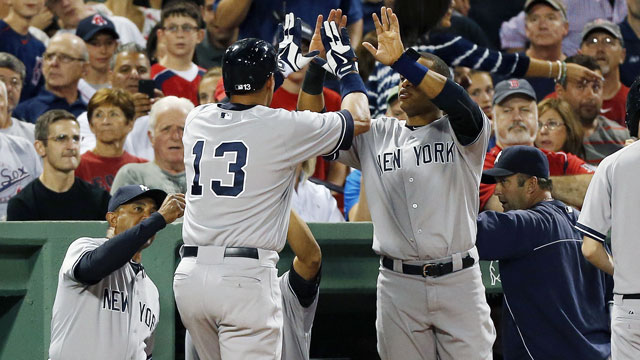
[{"x": 414, "y": 181}]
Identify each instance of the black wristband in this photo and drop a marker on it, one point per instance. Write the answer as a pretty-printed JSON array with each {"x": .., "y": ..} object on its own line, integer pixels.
[{"x": 314, "y": 79}]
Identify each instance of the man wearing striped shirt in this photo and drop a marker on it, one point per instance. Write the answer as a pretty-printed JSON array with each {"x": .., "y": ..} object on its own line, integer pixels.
[{"x": 602, "y": 137}]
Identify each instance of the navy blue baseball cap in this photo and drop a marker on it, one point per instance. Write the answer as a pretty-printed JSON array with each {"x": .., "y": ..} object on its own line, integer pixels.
[
  {"x": 129, "y": 193},
  {"x": 516, "y": 159},
  {"x": 91, "y": 25}
]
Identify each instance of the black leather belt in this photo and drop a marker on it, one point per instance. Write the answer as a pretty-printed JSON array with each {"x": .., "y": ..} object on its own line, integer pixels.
[
  {"x": 631, "y": 296},
  {"x": 245, "y": 252},
  {"x": 433, "y": 270}
]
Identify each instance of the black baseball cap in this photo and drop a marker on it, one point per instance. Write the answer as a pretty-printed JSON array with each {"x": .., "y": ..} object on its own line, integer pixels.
[
  {"x": 506, "y": 88},
  {"x": 129, "y": 193},
  {"x": 91, "y": 25},
  {"x": 516, "y": 159}
]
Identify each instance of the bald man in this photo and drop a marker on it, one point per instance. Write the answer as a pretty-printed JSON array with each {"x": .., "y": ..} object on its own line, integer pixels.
[{"x": 65, "y": 61}]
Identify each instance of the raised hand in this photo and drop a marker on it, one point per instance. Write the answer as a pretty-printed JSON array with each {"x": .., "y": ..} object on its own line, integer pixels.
[
  {"x": 172, "y": 207},
  {"x": 577, "y": 72},
  {"x": 390, "y": 46},
  {"x": 290, "y": 58},
  {"x": 341, "y": 60}
]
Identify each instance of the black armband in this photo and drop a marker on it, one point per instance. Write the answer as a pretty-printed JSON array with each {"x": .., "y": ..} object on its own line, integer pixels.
[
  {"x": 314, "y": 79},
  {"x": 305, "y": 290}
]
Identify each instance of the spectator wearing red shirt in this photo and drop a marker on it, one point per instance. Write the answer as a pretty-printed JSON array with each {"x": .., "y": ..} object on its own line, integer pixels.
[
  {"x": 515, "y": 116},
  {"x": 110, "y": 113}
]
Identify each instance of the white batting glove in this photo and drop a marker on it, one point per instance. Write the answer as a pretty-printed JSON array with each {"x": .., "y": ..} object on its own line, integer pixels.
[
  {"x": 341, "y": 59},
  {"x": 290, "y": 58}
]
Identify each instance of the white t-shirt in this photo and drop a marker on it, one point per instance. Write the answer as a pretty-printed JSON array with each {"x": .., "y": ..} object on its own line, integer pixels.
[
  {"x": 126, "y": 29},
  {"x": 314, "y": 203},
  {"x": 21, "y": 129},
  {"x": 19, "y": 165}
]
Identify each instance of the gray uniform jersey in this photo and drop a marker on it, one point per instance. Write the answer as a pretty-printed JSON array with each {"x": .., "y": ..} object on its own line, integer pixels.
[
  {"x": 240, "y": 163},
  {"x": 421, "y": 186},
  {"x": 612, "y": 203},
  {"x": 113, "y": 319},
  {"x": 19, "y": 165},
  {"x": 298, "y": 320}
]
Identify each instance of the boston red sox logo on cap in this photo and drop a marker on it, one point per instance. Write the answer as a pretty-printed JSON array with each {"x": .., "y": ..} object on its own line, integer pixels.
[
  {"x": 98, "y": 20},
  {"x": 514, "y": 83}
]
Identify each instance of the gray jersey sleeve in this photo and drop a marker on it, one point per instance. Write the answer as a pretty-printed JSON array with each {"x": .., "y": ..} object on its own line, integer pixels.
[
  {"x": 75, "y": 252},
  {"x": 310, "y": 134},
  {"x": 595, "y": 218}
]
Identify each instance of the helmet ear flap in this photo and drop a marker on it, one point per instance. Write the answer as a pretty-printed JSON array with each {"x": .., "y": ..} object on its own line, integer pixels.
[{"x": 247, "y": 65}]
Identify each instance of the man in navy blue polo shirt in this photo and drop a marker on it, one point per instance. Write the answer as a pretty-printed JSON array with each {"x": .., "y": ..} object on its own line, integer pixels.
[
  {"x": 554, "y": 300},
  {"x": 65, "y": 62},
  {"x": 630, "y": 28}
]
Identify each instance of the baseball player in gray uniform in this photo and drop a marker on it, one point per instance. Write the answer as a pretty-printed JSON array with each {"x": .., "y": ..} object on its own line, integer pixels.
[
  {"x": 611, "y": 204},
  {"x": 421, "y": 179},
  {"x": 106, "y": 306},
  {"x": 299, "y": 287},
  {"x": 240, "y": 160}
]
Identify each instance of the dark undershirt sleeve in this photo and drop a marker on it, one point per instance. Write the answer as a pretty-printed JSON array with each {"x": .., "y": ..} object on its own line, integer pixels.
[
  {"x": 465, "y": 116},
  {"x": 305, "y": 290},
  {"x": 96, "y": 264}
]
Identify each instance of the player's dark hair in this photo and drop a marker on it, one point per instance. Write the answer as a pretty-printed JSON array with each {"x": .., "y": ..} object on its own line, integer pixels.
[
  {"x": 41, "y": 131},
  {"x": 418, "y": 17},
  {"x": 130, "y": 47},
  {"x": 632, "y": 116},
  {"x": 182, "y": 8},
  {"x": 116, "y": 97},
  {"x": 12, "y": 63},
  {"x": 438, "y": 65},
  {"x": 544, "y": 184},
  {"x": 583, "y": 60}
]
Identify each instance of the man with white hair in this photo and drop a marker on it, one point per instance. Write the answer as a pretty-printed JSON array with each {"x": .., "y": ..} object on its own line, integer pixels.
[
  {"x": 166, "y": 171},
  {"x": 515, "y": 117},
  {"x": 64, "y": 63},
  {"x": 9, "y": 125}
]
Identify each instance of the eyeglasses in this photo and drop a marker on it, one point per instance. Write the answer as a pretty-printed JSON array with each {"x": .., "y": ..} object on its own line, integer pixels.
[
  {"x": 63, "y": 58},
  {"x": 63, "y": 138},
  {"x": 185, "y": 28},
  {"x": 607, "y": 41},
  {"x": 551, "y": 125},
  {"x": 13, "y": 81}
]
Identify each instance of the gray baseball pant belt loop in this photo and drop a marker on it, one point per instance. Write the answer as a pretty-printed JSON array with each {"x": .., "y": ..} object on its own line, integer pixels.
[{"x": 432, "y": 269}]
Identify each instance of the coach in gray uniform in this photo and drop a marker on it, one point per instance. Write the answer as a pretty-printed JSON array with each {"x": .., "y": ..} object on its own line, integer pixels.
[
  {"x": 611, "y": 204},
  {"x": 106, "y": 306},
  {"x": 421, "y": 179}
]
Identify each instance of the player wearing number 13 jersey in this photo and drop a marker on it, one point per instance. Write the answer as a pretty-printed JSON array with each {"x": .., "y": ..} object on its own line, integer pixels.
[{"x": 240, "y": 159}]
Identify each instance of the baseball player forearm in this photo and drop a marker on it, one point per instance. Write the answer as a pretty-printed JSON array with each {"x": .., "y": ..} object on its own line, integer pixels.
[
  {"x": 594, "y": 251},
  {"x": 304, "y": 246},
  {"x": 360, "y": 211},
  {"x": 117, "y": 251},
  {"x": 465, "y": 116},
  {"x": 230, "y": 14},
  {"x": 311, "y": 95},
  {"x": 358, "y": 105},
  {"x": 571, "y": 189}
]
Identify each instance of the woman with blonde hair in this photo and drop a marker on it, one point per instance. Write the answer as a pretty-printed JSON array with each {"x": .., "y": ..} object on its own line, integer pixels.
[{"x": 558, "y": 128}]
